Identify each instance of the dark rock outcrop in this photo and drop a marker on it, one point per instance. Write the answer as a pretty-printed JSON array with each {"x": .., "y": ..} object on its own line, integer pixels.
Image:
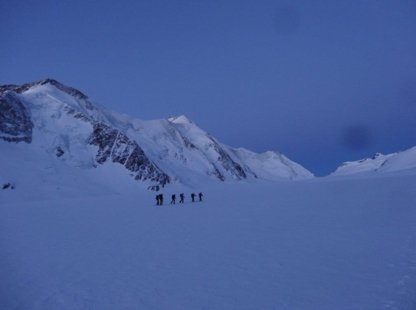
[
  {"x": 115, "y": 146},
  {"x": 15, "y": 122},
  {"x": 227, "y": 162}
]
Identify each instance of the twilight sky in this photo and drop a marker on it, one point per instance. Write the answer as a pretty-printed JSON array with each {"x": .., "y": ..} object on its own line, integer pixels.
[{"x": 321, "y": 81}]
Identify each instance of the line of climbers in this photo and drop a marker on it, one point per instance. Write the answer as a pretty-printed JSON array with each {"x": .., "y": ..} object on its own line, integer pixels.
[{"x": 159, "y": 198}]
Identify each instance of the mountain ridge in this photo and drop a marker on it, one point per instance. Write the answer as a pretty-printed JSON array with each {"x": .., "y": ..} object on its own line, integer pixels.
[
  {"x": 379, "y": 164},
  {"x": 64, "y": 121}
]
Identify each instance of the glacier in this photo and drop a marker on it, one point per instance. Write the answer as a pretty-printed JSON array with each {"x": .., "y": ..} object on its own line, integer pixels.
[{"x": 324, "y": 243}]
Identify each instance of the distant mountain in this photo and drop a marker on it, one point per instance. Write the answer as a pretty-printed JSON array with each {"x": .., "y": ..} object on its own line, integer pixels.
[
  {"x": 380, "y": 163},
  {"x": 62, "y": 125}
]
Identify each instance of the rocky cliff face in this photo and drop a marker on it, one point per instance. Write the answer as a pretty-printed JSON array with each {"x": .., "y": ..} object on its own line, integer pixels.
[
  {"x": 228, "y": 163},
  {"x": 116, "y": 147},
  {"x": 15, "y": 122}
]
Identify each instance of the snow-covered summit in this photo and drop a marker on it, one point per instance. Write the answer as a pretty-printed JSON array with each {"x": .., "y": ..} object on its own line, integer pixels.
[
  {"x": 65, "y": 127},
  {"x": 379, "y": 163},
  {"x": 182, "y": 119},
  {"x": 266, "y": 164},
  {"x": 22, "y": 88}
]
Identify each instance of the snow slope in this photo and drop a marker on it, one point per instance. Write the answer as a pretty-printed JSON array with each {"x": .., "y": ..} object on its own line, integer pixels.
[
  {"x": 264, "y": 165},
  {"x": 379, "y": 163},
  {"x": 60, "y": 120},
  {"x": 334, "y": 243}
]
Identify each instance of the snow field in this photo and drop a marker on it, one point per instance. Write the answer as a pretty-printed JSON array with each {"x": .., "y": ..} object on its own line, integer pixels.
[{"x": 318, "y": 244}]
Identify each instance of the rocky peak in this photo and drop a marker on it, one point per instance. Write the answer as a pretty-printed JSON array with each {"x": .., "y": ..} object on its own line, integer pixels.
[{"x": 22, "y": 88}]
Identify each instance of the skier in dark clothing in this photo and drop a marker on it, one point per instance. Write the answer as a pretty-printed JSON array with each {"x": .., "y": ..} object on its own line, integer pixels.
[
  {"x": 200, "y": 196},
  {"x": 173, "y": 201},
  {"x": 161, "y": 199},
  {"x": 182, "y": 198},
  {"x": 193, "y": 197},
  {"x": 157, "y": 200}
]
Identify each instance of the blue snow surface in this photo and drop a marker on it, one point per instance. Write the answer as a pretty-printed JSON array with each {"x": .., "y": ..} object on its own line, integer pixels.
[{"x": 331, "y": 243}]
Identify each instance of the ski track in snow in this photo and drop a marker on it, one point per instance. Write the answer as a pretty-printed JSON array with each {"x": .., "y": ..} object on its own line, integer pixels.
[{"x": 319, "y": 244}]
